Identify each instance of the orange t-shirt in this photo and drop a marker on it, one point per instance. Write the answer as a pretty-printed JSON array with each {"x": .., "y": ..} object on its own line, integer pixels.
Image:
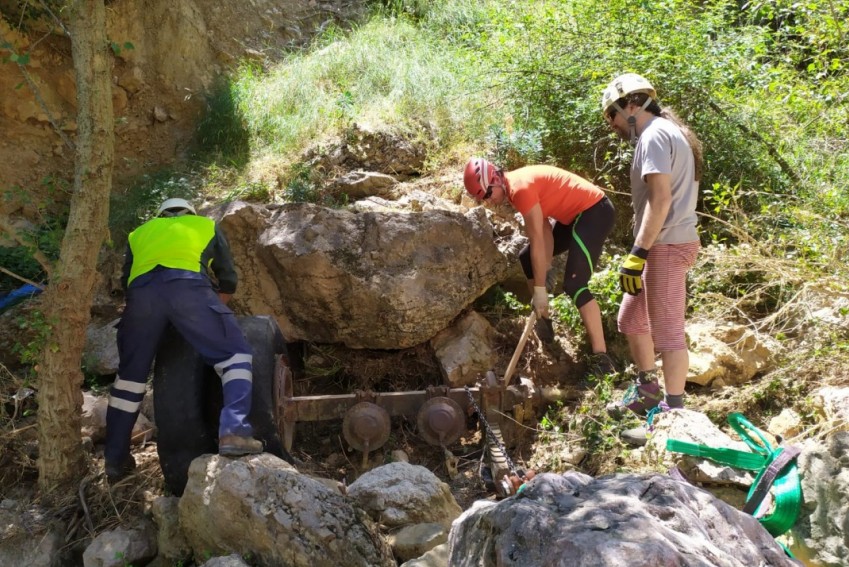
[{"x": 562, "y": 195}]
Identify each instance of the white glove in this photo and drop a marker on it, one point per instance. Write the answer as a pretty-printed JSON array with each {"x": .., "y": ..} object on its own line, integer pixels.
[{"x": 540, "y": 301}]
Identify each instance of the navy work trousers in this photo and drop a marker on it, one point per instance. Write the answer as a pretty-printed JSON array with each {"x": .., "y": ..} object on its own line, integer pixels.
[{"x": 187, "y": 301}]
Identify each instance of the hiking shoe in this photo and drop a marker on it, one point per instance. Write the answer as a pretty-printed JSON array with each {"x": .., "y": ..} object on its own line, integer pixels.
[
  {"x": 639, "y": 436},
  {"x": 237, "y": 445},
  {"x": 641, "y": 396},
  {"x": 601, "y": 364},
  {"x": 544, "y": 330},
  {"x": 117, "y": 471}
]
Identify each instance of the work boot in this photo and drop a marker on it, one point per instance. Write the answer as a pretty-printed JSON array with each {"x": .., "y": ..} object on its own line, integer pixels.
[
  {"x": 601, "y": 364},
  {"x": 117, "y": 471},
  {"x": 237, "y": 445},
  {"x": 544, "y": 330},
  {"x": 641, "y": 396},
  {"x": 639, "y": 436}
]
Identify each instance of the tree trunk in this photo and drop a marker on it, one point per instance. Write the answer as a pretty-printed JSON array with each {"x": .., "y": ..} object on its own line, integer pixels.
[{"x": 68, "y": 298}]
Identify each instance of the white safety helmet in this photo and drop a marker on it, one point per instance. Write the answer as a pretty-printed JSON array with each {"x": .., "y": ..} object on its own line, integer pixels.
[
  {"x": 175, "y": 207},
  {"x": 622, "y": 86}
]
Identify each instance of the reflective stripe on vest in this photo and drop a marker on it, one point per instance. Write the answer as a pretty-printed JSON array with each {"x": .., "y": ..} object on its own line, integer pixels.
[{"x": 172, "y": 242}]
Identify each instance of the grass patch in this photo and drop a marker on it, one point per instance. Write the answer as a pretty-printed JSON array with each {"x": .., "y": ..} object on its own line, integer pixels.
[{"x": 386, "y": 71}]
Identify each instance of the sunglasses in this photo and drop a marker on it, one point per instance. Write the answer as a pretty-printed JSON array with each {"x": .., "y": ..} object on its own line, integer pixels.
[{"x": 488, "y": 193}]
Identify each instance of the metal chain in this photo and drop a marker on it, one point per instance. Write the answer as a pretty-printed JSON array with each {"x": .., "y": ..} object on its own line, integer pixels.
[{"x": 491, "y": 434}]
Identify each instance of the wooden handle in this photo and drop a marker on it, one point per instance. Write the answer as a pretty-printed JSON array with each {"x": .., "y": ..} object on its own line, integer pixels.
[{"x": 532, "y": 318}]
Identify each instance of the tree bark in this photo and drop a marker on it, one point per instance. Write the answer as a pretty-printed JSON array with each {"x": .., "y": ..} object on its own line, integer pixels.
[{"x": 69, "y": 294}]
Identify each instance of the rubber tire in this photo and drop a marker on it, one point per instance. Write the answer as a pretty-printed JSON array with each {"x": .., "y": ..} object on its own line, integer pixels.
[{"x": 187, "y": 399}]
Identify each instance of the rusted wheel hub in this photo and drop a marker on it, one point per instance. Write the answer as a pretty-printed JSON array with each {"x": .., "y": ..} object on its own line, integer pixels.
[
  {"x": 440, "y": 421},
  {"x": 366, "y": 427}
]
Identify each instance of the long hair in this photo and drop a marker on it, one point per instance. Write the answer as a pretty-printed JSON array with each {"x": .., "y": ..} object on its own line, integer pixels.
[{"x": 695, "y": 144}]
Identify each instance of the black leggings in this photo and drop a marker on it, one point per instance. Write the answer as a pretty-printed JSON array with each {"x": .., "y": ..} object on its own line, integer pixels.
[{"x": 583, "y": 239}]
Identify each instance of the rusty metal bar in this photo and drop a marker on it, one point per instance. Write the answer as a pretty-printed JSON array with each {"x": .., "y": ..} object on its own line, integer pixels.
[{"x": 322, "y": 408}]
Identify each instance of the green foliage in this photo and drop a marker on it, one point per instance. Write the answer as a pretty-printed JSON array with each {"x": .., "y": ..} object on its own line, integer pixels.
[
  {"x": 306, "y": 185},
  {"x": 498, "y": 303},
  {"x": 222, "y": 136},
  {"x": 778, "y": 393},
  {"x": 758, "y": 285},
  {"x": 403, "y": 77},
  {"x": 139, "y": 202},
  {"x": 249, "y": 191},
  {"x": 44, "y": 236},
  {"x": 732, "y": 73},
  {"x": 588, "y": 421},
  {"x": 600, "y": 432},
  {"x": 19, "y": 58},
  {"x": 604, "y": 286},
  {"x": 551, "y": 420},
  {"x": 18, "y": 260},
  {"x": 415, "y": 9},
  {"x": 118, "y": 47},
  {"x": 516, "y": 148},
  {"x": 35, "y": 326},
  {"x": 810, "y": 36},
  {"x": 120, "y": 556}
]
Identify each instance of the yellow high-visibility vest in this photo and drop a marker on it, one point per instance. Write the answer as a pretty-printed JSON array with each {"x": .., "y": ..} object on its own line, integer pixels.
[{"x": 172, "y": 242}]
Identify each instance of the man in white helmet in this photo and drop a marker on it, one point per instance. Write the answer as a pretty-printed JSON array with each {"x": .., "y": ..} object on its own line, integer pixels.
[
  {"x": 665, "y": 174},
  {"x": 167, "y": 282}
]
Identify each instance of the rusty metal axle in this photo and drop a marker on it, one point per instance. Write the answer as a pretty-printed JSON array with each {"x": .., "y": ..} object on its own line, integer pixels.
[{"x": 440, "y": 411}]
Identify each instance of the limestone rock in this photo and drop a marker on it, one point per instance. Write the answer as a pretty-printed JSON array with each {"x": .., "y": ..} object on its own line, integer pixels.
[
  {"x": 824, "y": 519},
  {"x": 730, "y": 354},
  {"x": 400, "y": 494},
  {"x": 464, "y": 350},
  {"x": 101, "y": 348},
  {"x": 614, "y": 521},
  {"x": 695, "y": 427},
  {"x": 383, "y": 280},
  {"x": 120, "y": 547},
  {"x": 262, "y": 505},
  {"x": 416, "y": 540}
]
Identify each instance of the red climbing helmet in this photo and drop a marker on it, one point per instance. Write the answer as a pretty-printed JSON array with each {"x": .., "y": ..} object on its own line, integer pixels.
[{"x": 478, "y": 177}]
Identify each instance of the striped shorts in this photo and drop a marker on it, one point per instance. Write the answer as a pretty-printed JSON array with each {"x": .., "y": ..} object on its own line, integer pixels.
[{"x": 659, "y": 310}]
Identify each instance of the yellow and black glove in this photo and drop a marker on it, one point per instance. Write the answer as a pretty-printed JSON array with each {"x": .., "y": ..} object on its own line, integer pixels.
[{"x": 631, "y": 272}]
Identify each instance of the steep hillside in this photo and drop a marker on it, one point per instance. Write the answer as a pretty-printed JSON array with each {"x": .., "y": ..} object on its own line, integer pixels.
[{"x": 167, "y": 57}]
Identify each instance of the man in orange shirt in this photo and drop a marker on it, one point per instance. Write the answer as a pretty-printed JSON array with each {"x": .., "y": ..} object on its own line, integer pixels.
[{"x": 583, "y": 217}]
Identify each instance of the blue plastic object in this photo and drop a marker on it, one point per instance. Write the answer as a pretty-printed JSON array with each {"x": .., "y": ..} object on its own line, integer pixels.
[{"x": 24, "y": 292}]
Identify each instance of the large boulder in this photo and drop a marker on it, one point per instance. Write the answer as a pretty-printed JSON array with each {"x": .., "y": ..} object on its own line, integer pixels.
[
  {"x": 369, "y": 279},
  {"x": 263, "y": 506},
  {"x": 615, "y": 521},
  {"x": 824, "y": 521}
]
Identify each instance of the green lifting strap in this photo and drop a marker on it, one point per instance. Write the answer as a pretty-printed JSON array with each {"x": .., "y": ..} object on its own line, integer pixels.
[{"x": 777, "y": 473}]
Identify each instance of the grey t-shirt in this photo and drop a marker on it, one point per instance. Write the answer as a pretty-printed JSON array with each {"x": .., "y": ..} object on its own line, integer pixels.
[{"x": 663, "y": 148}]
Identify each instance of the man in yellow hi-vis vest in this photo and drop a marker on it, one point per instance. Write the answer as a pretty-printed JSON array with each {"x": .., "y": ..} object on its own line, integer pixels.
[{"x": 166, "y": 280}]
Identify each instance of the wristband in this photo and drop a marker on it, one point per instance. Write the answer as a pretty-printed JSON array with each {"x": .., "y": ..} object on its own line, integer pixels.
[{"x": 640, "y": 252}]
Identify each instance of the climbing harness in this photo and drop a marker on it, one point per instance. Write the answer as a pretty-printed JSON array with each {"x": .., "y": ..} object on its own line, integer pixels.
[{"x": 777, "y": 485}]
